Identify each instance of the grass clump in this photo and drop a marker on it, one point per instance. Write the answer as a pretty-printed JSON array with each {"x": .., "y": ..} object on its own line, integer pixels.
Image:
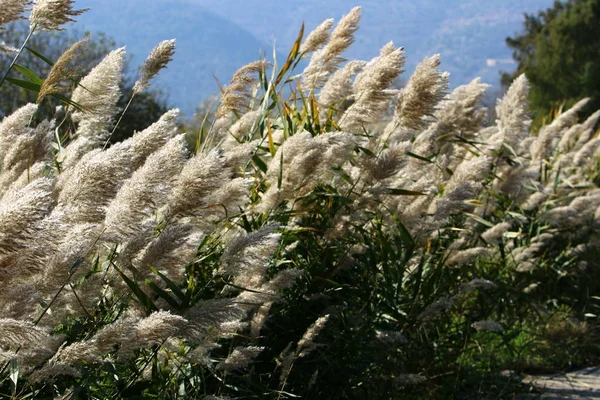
[{"x": 314, "y": 245}]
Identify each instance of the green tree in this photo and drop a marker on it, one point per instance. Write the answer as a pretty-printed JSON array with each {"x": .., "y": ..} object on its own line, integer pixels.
[
  {"x": 559, "y": 51},
  {"x": 146, "y": 108}
]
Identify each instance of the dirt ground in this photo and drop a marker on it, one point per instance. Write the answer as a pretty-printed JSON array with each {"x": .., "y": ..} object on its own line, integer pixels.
[{"x": 583, "y": 384}]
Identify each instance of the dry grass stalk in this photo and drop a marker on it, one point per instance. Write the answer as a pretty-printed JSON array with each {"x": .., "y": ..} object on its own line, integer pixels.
[{"x": 62, "y": 70}]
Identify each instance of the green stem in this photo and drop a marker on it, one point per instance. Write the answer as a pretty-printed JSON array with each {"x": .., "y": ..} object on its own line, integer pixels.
[
  {"x": 119, "y": 121},
  {"x": 14, "y": 61}
]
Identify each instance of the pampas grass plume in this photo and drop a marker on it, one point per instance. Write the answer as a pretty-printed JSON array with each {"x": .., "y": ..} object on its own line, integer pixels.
[
  {"x": 158, "y": 59},
  {"x": 50, "y": 15}
]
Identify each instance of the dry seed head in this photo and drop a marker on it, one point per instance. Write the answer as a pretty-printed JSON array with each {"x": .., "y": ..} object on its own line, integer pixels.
[
  {"x": 14, "y": 126},
  {"x": 98, "y": 92},
  {"x": 343, "y": 34},
  {"x": 240, "y": 357},
  {"x": 371, "y": 88},
  {"x": 489, "y": 326},
  {"x": 542, "y": 147},
  {"x": 468, "y": 256},
  {"x": 49, "y": 15},
  {"x": 317, "y": 38},
  {"x": 460, "y": 111},
  {"x": 326, "y": 60},
  {"x": 307, "y": 343},
  {"x": 12, "y": 10},
  {"x": 513, "y": 119},
  {"x": 494, "y": 234},
  {"x": 158, "y": 59},
  {"x": 378, "y": 74},
  {"x": 159, "y": 326},
  {"x": 79, "y": 352},
  {"x": 20, "y": 211},
  {"x": 339, "y": 86},
  {"x": 147, "y": 189},
  {"x": 236, "y": 95},
  {"x": 15, "y": 332},
  {"x": 61, "y": 70},
  {"x": 425, "y": 88}
]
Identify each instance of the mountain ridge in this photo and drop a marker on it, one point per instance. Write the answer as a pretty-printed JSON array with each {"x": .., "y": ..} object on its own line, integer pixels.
[{"x": 216, "y": 37}]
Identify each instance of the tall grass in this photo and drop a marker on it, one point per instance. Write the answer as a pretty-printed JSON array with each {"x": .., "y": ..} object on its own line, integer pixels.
[{"x": 349, "y": 240}]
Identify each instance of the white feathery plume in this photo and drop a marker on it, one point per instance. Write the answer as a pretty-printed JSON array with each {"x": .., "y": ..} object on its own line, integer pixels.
[
  {"x": 463, "y": 185},
  {"x": 371, "y": 88},
  {"x": 403, "y": 380},
  {"x": 97, "y": 94},
  {"x": 109, "y": 336},
  {"x": 94, "y": 183},
  {"x": 26, "y": 149},
  {"x": 170, "y": 251},
  {"x": 494, "y": 234},
  {"x": 14, "y": 126},
  {"x": 317, "y": 38},
  {"x": 50, "y": 371},
  {"x": 71, "y": 249},
  {"x": 590, "y": 127},
  {"x": 235, "y": 96},
  {"x": 240, "y": 358},
  {"x": 478, "y": 284},
  {"x": 237, "y": 156},
  {"x": 542, "y": 147},
  {"x": 534, "y": 200},
  {"x": 489, "y": 326},
  {"x": 436, "y": 308},
  {"x": 14, "y": 333},
  {"x": 303, "y": 161},
  {"x": 339, "y": 87},
  {"x": 326, "y": 60},
  {"x": 4, "y": 48},
  {"x": 212, "y": 318},
  {"x": 307, "y": 344},
  {"x": 147, "y": 190},
  {"x": 200, "y": 176},
  {"x": 513, "y": 117},
  {"x": 585, "y": 153},
  {"x": 158, "y": 59},
  {"x": 387, "y": 163},
  {"x": 459, "y": 112},
  {"x": 20, "y": 211},
  {"x": 50, "y": 15},
  {"x": 37, "y": 170},
  {"x": 424, "y": 90},
  {"x": 12, "y": 10},
  {"x": 153, "y": 137},
  {"x": 578, "y": 134},
  {"x": 468, "y": 256},
  {"x": 245, "y": 257},
  {"x": 79, "y": 353},
  {"x": 158, "y": 326},
  {"x": 19, "y": 301},
  {"x": 240, "y": 130}
]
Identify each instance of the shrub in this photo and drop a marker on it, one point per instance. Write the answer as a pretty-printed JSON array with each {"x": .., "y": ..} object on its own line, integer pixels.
[{"x": 311, "y": 245}]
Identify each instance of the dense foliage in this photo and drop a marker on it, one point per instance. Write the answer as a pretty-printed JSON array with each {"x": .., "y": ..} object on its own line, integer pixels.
[
  {"x": 559, "y": 51},
  {"x": 304, "y": 245}
]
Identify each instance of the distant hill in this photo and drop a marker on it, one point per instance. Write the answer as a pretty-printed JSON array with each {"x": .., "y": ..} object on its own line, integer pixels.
[
  {"x": 209, "y": 47},
  {"x": 215, "y": 37}
]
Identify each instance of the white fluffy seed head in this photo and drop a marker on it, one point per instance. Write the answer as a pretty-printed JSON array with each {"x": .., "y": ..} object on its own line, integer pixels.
[
  {"x": 98, "y": 93},
  {"x": 50, "y": 15},
  {"x": 158, "y": 59}
]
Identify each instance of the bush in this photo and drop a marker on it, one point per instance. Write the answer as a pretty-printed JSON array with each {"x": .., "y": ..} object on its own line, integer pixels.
[{"x": 304, "y": 246}]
